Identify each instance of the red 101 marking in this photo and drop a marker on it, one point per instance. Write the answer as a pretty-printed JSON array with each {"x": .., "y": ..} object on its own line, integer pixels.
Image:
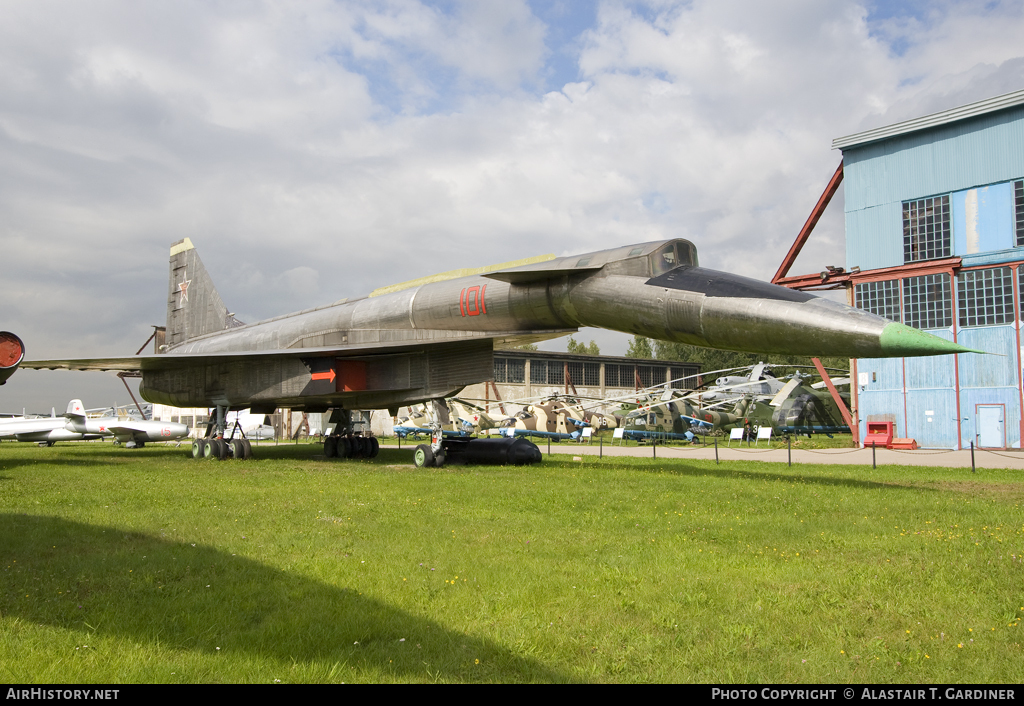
[{"x": 471, "y": 301}]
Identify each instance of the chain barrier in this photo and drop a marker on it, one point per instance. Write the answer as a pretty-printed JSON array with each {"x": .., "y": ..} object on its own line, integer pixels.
[
  {"x": 832, "y": 452},
  {"x": 919, "y": 452},
  {"x": 1018, "y": 457},
  {"x": 822, "y": 452}
]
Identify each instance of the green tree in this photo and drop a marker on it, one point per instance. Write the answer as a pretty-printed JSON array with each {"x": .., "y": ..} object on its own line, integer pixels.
[
  {"x": 574, "y": 346},
  {"x": 640, "y": 347}
]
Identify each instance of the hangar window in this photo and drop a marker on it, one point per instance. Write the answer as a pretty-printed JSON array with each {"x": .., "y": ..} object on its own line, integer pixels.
[
  {"x": 539, "y": 372},
  {"x": 985, "y": 297},
  {"x": 928, "y": 302},
  {"x": 556, "y": 372},
  {"x": 1018, "y": 204},
  {"x": 680, "y": 372},
  {"x": 650, "y": 375},
  {"x": 509, "y": 370},
  {"x": 881, "y": 298},
  {"x": 576, "y": 373},
  {"x": 611, "y": 375},
  {"x": 926, "y": 233},
  {"x": 591, "y": 374}
]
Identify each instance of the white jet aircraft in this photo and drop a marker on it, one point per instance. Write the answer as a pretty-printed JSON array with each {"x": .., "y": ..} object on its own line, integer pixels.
[{"x": 75, "y": 426}]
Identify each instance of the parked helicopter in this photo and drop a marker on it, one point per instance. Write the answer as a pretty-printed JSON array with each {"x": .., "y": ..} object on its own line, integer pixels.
[
  {"x": 793, "y": 407},
  {"x": 552, "y": 418},
  {"x": 467, "y": 419}
]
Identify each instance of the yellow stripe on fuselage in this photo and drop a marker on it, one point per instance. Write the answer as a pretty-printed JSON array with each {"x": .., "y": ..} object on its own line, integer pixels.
[{"x": 455, "y": 274}]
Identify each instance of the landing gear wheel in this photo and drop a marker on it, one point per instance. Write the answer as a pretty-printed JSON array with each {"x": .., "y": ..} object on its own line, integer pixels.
[
  {"x": 216, "y": 449},
  {"x": 331, "y": 446},
  {"x": 237, "y": 449},
  {"x": 246, "y": 449},
  {"x": 374, "y": 447},
  {"x": 344, "y": 447},
  {"x": 439, "y": 458},
  {"x": 208, "y": 449},
  {"x": 199, "y": 448},
  {"x": 423, "y": 456}
]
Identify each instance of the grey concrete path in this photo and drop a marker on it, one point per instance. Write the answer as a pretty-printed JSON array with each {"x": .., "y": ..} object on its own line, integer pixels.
[{"x": 862, "y": 457}]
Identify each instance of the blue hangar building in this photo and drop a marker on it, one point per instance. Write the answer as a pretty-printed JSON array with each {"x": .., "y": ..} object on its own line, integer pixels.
[{"x": 935, "y": 240}]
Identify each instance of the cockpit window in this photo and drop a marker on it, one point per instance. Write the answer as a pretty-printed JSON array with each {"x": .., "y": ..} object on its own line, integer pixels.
[{"x": 671, "y": 256}]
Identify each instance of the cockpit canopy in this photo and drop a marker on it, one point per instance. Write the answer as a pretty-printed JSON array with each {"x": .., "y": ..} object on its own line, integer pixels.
[
  {"x": 673, "y": 255},
  {"x": 643, "y": 260}
]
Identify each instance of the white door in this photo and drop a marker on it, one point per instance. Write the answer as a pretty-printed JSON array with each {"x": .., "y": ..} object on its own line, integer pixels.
[{"x": 990, "y": 426}]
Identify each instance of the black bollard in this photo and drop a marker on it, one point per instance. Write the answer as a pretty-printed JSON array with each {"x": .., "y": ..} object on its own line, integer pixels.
[{"x": 716, "y": 450}]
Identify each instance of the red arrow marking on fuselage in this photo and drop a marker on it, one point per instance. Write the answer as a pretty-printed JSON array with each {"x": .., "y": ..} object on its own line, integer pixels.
[{"x": 329, "y": 375}]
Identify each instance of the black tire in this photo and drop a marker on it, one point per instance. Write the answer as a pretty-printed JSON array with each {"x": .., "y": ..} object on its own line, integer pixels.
[
  {"x": 199, "y": 448},
  {"x": 374, "y": 447},
  {"x": 440, "y": 457},
  {"x": 423, "y": 456},
  {"x": 208, "y": 449},
  {"x": 219, "y": 449},
  {"x": 247, "y": 450},
  {"x": 331, "y": 446},
  {"x": 344, "y": 447},
  {"x": 237, "y": 449},
  {"x": 358, "y": 447}
]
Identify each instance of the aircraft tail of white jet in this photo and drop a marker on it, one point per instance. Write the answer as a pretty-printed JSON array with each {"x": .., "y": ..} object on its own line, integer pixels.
[
  {"x": 76, "y": 415},
  {"x": 194, "y": 307}
]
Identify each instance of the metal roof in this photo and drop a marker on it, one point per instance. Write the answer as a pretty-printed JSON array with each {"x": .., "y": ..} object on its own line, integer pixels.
[{"x": 989, "y": 105}]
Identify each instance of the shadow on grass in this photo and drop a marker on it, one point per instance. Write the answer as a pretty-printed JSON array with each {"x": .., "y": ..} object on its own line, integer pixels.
[
  {"x": 720, "y": 472},
  {"x": 149, "y": 589}
]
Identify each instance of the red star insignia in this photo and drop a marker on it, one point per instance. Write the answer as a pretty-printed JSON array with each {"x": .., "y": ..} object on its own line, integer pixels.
[{"x": 183, "y": 291}]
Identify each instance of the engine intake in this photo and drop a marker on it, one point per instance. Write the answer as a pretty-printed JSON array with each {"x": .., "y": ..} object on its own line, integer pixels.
[{"x": 12, "y": 352}]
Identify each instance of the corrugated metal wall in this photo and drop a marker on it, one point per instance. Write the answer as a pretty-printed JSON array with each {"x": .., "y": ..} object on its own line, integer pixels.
[
  {"x": 919, "y": 394},
  {"x": 973, "y": 161},
  {"x": 989, "y": 379},
  {"x": 878, "y": 177}
]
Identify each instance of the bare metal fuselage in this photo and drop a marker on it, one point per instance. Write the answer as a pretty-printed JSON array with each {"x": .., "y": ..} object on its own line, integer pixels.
[{"x": 431, "y": 340}]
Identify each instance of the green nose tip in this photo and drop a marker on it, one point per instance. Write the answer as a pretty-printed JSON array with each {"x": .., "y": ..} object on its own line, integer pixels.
[{"x": 900, "y": 340}]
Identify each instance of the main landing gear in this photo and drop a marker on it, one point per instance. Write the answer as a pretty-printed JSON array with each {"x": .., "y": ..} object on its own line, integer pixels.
[
  {"x": 215, "y": 446},
  {"x": 351, "y": 446},
  {"x": 221, "y": 449},
  {"x": 344, "y": 441}
]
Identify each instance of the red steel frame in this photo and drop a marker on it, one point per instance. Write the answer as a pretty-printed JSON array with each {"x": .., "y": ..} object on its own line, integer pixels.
[{"x": 812, "y": 220}]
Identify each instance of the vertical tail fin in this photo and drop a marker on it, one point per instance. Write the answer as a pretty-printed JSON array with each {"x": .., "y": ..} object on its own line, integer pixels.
[{"x": 193, "y": 306}]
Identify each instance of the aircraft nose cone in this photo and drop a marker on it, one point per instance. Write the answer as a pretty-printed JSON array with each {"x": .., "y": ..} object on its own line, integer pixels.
[{"x": 900, "y": 340}]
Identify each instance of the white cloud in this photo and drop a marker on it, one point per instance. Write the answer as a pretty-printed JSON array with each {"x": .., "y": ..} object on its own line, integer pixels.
[{"x": 351, "y": 145}]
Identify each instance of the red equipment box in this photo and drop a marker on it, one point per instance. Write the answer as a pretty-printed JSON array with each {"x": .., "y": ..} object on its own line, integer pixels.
[{"x": 879, "y": 434}]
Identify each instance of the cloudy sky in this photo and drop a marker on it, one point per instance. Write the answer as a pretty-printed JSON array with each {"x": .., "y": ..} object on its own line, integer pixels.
[{"x": 317, "y": 150}]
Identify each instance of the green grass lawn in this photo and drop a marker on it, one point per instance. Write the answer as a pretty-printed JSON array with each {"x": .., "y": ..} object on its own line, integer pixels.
[{"x": 143, "y": 566}]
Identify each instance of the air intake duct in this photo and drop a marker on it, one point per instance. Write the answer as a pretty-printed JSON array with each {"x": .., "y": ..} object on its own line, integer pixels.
[{"x": 12, "y": 352}]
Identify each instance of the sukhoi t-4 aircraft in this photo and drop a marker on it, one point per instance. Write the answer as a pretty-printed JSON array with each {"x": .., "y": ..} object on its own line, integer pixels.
[{"x": 428, "y": 339}]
